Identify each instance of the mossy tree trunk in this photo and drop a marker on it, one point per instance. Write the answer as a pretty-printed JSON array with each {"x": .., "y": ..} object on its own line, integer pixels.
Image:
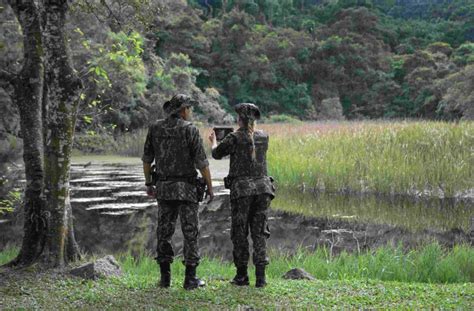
[
  {"x": 64, "y": 88},
  {"x": 47, "y": 92},
  {"x": 27, "y": 95}
]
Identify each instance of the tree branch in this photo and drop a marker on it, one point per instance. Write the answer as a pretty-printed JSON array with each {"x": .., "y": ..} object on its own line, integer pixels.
[
  {"x": 7, "y": 78},
  {"x": 111, "y": 13}
]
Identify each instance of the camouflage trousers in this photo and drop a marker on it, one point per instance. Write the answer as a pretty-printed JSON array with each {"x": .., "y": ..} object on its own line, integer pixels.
[
  {"x": 167, "y": 215},
  {"x": 250, "y": 214}
]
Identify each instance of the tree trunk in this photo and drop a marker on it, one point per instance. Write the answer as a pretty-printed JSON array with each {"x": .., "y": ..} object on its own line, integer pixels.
[
  {"x": 64, "y": 89},
  {"x": 47, "y": 92},
  {"x": 27, "y": 95}
]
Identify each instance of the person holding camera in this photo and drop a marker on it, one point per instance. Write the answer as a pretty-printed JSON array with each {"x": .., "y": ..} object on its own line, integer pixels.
[
  {"x": 251, "y": 191},
  {"x": 176, "y": 147}
]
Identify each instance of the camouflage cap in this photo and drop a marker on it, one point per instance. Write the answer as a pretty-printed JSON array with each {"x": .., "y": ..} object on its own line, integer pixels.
[
  {"x": 177, "y": 102},
  {"x": 248, "y": 111}
]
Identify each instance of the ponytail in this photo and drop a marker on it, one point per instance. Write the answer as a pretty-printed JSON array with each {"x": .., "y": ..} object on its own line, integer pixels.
[{"x": 249, "y": 125}]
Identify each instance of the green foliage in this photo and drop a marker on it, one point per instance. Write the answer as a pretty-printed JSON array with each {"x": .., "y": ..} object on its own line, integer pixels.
[
  {"x": 344, "y": 54},
  {"x": 293, "y": 99},
  {"x": 464, "y": 54},
  {"x": 12, "y": 200},
  {"x": 124, "y": 55},
  {"x": 398, "y": 73},
  {"x": 117, "y": 75}
]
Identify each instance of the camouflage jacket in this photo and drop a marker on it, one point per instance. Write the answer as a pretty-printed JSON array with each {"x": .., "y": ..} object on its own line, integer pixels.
[
  {"x": 248, "y": 177},
  {"x": 177, "y": 149}
]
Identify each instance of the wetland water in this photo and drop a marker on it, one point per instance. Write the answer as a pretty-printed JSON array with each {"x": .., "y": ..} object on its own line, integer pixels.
[{"x": 112, "y": 213}]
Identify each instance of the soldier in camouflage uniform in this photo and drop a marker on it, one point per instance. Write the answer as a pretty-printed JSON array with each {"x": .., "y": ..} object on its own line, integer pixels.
[
  {"x": 176, "y": 147},
  {"x": 251, "y": 192}
]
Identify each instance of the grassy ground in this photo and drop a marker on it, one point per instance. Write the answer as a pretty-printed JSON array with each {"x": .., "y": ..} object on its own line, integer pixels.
[{"x": 342, "y": 285}]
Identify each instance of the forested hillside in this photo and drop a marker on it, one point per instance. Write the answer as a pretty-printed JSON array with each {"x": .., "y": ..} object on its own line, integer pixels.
[{"x": 310, "y": 59}]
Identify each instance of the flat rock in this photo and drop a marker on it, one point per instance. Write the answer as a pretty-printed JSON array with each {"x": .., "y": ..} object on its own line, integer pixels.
[
  {"x": 298, "y": 274},
  {"x": 103, "y": 267}
]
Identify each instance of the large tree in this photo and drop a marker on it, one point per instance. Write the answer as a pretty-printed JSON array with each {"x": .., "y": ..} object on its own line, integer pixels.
[{"x": 47, "y": 92}]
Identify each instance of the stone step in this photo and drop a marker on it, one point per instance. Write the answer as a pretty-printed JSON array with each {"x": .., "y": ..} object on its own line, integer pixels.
[
  {"x": 92, "y": 200},
  {"x": 106, "y": 172},
  {"x": 88, "y": 179},
  {"x": 119, "y": 213},
  {"x": 90, "y": 188},
  {"x": 137, "y": 193},
  {"x": 118, "y": 184},
  {"x": 120, "y": 206}
]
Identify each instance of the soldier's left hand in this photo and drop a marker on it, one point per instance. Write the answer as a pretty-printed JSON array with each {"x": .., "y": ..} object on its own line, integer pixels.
[{"x": 212, "y": 137}]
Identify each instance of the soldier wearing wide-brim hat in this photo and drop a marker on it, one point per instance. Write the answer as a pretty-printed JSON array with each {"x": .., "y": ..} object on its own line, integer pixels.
[
  {"x": 251, "y": 191},
  {"x": 176, "y": 147},
  {"x": 177, "y": 103}
]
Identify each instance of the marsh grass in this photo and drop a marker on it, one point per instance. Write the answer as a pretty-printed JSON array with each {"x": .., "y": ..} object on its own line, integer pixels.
[
  {"x": 130, "y": 144},
  {"x": 427, "y": 158}
]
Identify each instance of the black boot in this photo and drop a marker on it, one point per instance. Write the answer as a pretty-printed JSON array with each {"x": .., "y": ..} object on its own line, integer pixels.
[
  {"x": 190, "y": 279},
  {"x": 165, "y": 272},
  {"x": 241, "y": 278},
  {"x": 260, "y": 275}
]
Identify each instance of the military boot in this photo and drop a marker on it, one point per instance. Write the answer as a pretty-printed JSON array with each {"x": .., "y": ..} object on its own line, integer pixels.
[
  {"x": 165, "y": 272},
  {"x": 241, "y": 278},
  {"x": 190, "y": 280},
  {"x": 260, "y": 275}
]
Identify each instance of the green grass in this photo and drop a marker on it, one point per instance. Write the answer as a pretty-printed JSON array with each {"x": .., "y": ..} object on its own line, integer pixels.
[
  {"x": 7, "y": 254},
  {"x": 428, "y": 264},
  {"x": 355, "y": 281},
  {"x": 403, "y": 157}
]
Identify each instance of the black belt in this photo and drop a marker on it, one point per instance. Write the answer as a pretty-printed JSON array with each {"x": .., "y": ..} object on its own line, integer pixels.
[{"x": 189, "y": 179}]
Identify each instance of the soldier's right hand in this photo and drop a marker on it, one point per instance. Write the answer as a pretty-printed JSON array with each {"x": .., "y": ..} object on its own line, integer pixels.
[
  {"x": 151, "y": 191},
  {"x": 210, "y": 195}
]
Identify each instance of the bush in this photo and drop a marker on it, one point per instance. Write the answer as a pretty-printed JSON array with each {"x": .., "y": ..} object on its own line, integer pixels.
[{"x": 281, "y": 118}]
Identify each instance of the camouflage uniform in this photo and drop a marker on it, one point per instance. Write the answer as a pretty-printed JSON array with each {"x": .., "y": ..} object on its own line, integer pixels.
[
  {"x": 251, "y": 192},
  {"x": 176, "y": 147}
]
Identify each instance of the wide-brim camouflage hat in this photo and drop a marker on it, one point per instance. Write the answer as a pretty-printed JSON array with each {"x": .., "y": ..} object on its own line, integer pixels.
[
  {"x": 248, "y": 111},
  {"x": 177, "y": 102}
]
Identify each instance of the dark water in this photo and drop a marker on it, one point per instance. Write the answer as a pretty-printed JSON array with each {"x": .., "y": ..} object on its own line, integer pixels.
[{"x": 112, "y": 213}]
